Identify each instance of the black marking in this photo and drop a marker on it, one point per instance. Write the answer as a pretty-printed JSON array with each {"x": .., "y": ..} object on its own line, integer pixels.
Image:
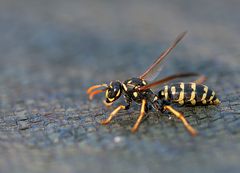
[
  {"x": 199, "y": 93},
  {"x": 209, "y": 94},
  {"x": 187, "y": 92}
]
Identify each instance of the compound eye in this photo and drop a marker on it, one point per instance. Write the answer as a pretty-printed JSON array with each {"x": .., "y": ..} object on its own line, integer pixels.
[
  {"x": 110, "y": 97},
  {"x": 117, "y": 93},
  {"x": 112, "y": 94}
]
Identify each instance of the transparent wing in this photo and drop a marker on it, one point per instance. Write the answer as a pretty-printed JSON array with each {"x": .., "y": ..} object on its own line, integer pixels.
[
  {"x": 153, "y": 71},
  {"x": 200, "y": 80}
]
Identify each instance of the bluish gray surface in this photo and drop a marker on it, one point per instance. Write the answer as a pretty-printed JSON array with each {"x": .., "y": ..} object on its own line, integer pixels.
[{"x": 51, "y": 51}]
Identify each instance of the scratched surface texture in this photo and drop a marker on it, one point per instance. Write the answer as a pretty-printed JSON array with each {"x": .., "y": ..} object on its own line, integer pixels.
[{"x": 51, "y": 51}]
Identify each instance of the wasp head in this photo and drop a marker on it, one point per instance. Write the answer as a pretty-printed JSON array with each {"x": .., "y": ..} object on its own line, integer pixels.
[{"x": 113, "y": 91}]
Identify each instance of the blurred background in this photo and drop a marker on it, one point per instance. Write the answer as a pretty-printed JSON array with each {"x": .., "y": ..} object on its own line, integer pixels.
[{"x": 51, "y": 51}]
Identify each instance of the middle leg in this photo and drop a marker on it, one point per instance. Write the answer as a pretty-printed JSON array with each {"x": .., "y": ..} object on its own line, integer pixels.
[{"x": 140, "y": 117}]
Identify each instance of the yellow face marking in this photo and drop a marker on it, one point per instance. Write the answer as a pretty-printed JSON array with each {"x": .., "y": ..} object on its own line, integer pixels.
[
  {"x": 166, "y": 92},
  {"x": 213, "y": 94},
  {"x": 118, "y": 93},
  {"x": 173, "y": 90},
  {"x": 135, "y": 94},
  {"x": 124, "y": 87},
  {"x": 193, "y": 102},
  {"x": 205, "y": 93},
  {"x": 130, "y": 81},
  {"x": 111, "y": 99},
  {"x": 106, "y": 94}
]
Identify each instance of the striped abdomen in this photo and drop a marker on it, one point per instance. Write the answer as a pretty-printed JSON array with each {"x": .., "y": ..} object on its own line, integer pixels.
[{"x": 189, "y": 94}]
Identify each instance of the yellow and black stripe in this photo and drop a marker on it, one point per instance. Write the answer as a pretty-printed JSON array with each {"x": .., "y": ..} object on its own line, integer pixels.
[{"x": 189, "y": 94}]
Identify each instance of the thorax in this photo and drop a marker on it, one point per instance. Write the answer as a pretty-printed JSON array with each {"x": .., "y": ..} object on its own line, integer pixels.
[{"x": 130, "y": 89}]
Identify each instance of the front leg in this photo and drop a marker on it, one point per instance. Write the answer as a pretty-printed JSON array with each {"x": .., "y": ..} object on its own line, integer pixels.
[{"x": 104, "y": 122}]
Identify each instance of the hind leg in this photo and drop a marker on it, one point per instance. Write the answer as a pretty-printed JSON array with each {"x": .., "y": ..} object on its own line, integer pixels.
[{"x": 180, "y": 116}]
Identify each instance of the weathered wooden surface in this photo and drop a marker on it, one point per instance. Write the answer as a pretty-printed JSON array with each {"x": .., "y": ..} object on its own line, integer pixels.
[{"x": 51, "y": 51}]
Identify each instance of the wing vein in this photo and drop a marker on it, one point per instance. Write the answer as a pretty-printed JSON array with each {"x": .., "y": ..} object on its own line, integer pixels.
[
  {"x": 201, "y": 79},
  {"x": 154, "y": 69}
]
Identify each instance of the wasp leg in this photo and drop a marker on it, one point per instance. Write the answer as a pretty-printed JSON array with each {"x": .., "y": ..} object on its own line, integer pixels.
[
  {"x": 179, "y": 115},
  {"x": 140, "y": 117},
  {"x": 104, "y": 122}
]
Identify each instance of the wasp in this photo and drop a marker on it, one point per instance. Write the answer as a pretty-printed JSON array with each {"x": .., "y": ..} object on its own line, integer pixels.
[{"x": 140, "y": 90}]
